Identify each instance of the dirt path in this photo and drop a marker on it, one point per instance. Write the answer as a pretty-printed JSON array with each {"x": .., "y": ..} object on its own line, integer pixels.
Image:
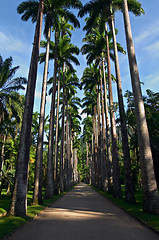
[{"x": 83, "y": 214}]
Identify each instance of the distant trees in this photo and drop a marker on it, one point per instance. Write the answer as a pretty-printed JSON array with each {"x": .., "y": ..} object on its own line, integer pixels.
[
  {"x": 11, "y": 110},
  {"x": 101, "y": 12},
  {"x": 51, "y": 152}
]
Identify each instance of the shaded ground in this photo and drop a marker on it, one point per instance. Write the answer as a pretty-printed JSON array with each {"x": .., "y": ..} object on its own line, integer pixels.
[{"x": 83, "y": 214}]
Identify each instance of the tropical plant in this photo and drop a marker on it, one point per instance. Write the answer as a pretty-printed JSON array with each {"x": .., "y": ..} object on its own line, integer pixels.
[
  {"x": 18, "y": 204},
  {"x": 150, "y": 191}
]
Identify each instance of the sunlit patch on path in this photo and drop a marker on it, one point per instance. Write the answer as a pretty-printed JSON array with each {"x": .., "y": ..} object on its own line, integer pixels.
[{"x": 83, "y": 214}]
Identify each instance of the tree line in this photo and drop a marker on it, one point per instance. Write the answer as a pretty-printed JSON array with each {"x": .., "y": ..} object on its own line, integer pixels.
[{"x": 110, "y": 148}]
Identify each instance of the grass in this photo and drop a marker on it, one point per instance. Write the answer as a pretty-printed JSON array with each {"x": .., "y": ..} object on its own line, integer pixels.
[
  {"x": 8, "y": 224},
  {"x": 134, "y": 209}
]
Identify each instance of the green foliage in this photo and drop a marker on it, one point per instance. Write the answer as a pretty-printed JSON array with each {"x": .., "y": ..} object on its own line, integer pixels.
[
  {"x": 151, "y": 102},
  {"x": 82, "y": 166}
]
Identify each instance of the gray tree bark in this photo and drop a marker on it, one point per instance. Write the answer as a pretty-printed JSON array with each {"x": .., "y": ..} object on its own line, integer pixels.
[
  {"x": 116, "y": 171},
  {"x": 49, "y": 178},
  {"x": 150, "y": 192},
  {"x": 18, "y": 205},
  {"x": 108, "y": 184},
  {"x": 37, "y": 194},
  {"x": 62, "y": 136},
  {"x": 129, "y": 188},
  {"x": 56, "y": 139}
]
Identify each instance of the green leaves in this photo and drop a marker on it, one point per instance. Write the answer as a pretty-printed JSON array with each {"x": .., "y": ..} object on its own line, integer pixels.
[
  {"x": 29, "y": 10},
  {"x": 10, "y": 99}
]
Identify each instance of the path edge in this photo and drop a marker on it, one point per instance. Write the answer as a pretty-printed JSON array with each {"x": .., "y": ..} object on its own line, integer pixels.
[{"x": 133, "y": 216}]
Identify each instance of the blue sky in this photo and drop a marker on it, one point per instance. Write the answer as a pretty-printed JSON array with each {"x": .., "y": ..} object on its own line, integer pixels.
[{"x": 16, "y": 39}]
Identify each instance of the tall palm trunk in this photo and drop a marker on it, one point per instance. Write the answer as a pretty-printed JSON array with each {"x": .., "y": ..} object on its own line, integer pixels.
[
  {"x": 49, "y": 179},
  {"x": 91, "y": 162},
  {"x": 75, "y": 163},
  {"x": 87, "y": 162},
  {"x": 95, "y": 145},
  {"x": 109, "y": 156},
  {"x": 104, "y": 175},
  {"x": 99, "y": 142},
  {"x": 92, "y": 174},
  {"x": 129, "y": 188},
  {"x": 150, "y": 192},
  {"x": 2, "y": 163},
  {"x": 116, "y": 171},
  {"x": 70, "y": 154},
  {"x": 62, "y": 134},
  {"x": 56, "y": 139},
  {"x": 93, "y": 149},
  {"x": 18, "y": 205},
  {"x": 37, "y": 194},
  {"x": 67, "y": 149}
]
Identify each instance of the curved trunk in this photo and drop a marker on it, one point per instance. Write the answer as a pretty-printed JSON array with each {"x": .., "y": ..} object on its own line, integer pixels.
[
  {"x": 56, "y": 140},
  {"x": 150, "y": 192},
  {"x": 49, "y": 178},
  {"x": 116, "y": 171},
  {"x": 18, "y": 205},
  {"x": 129, "y": 188},
  {"x": 37, "y": 194},
  {"x": 109, "y": 155},
  {"x": 62, "y": 135}
]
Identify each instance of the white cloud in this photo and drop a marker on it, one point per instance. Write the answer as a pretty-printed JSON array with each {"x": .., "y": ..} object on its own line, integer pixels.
[
  {"x": 10, "y": 43},
  {"x": 153, "y": 49},
  {"x": 150, "y": 32},
  {"x": 153, "y": 78}
]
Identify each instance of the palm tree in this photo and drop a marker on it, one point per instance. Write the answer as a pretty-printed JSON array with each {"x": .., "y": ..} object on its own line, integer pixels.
[
  {"x": 29, "y": 9},
  {"x": 56, "y": 137},
  {"x": 60, "y": 9},
  {"x": 106, "y": 9},
  {"x": 87, "y": 136},
  {"x": 116, "y": 171},
  {"x": 72, "y": 104},
  {"x": 19, "y": 198},
  {"x": 9, "y": 85},
  {"x": 97, "y": 48},
  {"x": 10, "y": 101},
  {"x": 66, "y": 56},
  {"x": 135, "y": 8},
  {"x": 150, "y": 192},
  {"x": 90, "y": 81},
  {"x": 109, "y": 155},
  {"x": 65, "y": 52}
]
